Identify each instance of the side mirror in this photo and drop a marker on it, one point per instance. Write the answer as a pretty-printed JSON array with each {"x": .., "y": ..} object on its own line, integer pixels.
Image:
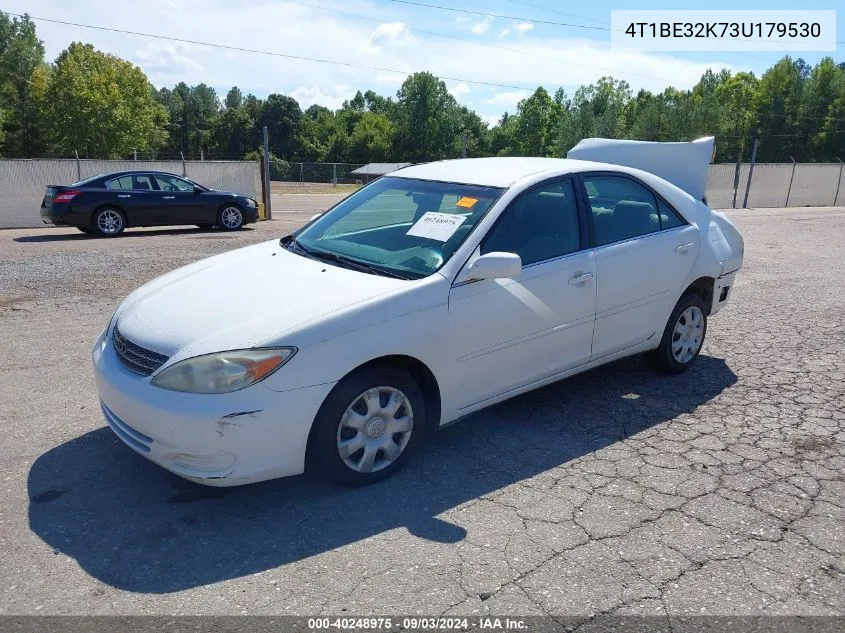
[
  {"x": 197, "y": 189},
  {"x": 495, "y": 266}
]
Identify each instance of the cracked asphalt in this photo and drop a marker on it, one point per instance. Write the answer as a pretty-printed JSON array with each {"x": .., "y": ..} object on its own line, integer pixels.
[{"x": 619, "y": 491}]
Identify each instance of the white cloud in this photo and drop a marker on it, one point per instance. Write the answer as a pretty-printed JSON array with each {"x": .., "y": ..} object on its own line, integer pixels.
[
  {"x": 172, "y": 59},
  {"x": 390, "y": 33},
  {"x": 461, "y": 19},
  {"x": 550, "y": 60},
  {"x": 504, "y": 33},
  {"x": 524, "y": 27},
  {"x": 491, "y": 119},
  {"x": 333, "y": 99},
  {"x": 479, "y": 28},
  {"x": 508, "y": 99},
  {"x": 459, "y": 90}
]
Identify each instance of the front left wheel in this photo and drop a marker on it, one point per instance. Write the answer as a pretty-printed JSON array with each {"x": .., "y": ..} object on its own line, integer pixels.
[
  {"x": 230, "y": 218},
  {"x": 367, "y": 427}
]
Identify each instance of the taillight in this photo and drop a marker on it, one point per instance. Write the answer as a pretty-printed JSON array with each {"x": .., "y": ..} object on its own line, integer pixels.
[{"x": 66, "y": 196}]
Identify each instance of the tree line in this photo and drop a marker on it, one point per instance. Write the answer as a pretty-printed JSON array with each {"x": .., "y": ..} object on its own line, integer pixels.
[{"x": 102, "y": 106}]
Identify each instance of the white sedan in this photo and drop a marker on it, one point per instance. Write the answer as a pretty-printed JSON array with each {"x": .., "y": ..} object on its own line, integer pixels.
[{"x": 429, "y": 294}]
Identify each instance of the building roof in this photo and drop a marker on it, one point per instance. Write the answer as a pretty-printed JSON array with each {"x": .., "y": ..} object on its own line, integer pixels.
[{"x": 378, "y": 169}]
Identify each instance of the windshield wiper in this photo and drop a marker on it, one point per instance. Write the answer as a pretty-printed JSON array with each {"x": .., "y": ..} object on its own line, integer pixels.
[{"x": 348, "y": 262}]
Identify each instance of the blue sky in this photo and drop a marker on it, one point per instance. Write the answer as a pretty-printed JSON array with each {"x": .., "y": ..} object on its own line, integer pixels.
[{"x": 517, "y": 54}]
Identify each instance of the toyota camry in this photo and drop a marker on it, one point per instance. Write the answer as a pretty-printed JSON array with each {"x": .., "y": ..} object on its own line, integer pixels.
[{"x": 431, "y": 293}]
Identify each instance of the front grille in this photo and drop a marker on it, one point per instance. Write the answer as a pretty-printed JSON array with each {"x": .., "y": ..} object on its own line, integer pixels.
[{"x": 134, "y": 357}]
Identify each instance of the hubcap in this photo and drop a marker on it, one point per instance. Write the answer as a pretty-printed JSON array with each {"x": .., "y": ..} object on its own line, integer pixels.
[
  {"x": 688, "y": 334},
  {"x": 231, "y": 217},
  {"x": 375, "y": 429},
  {"x": 109, "y": 221}
]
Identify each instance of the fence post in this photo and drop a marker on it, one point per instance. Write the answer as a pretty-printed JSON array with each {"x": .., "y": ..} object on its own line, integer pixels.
[
  {"x": 789, "y": 189},
  {"x": 750, "y": 172},
  {"x": 268, "y": 211},
  {"x": 334, "y": 174},
  {"x": 184, "y": 167},
  {"x": 78, "y": 168},
  {"x": 202, "y": 155},
  {"x": 838, "y": 183},
  {"x": 134, "y": 154},
  {"x": 301, "y": 166},
  {"x": 736, "y": 175}
]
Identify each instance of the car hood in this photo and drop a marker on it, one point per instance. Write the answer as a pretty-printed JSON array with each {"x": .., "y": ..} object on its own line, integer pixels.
[
  {"x": 685, "y": 165},
  {"x": 240, "y": 299}
]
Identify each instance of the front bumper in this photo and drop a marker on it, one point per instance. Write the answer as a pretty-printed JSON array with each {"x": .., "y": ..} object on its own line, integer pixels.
[
  {"x": 217, "y": 440},
  {"x": 250, "y": 215}
]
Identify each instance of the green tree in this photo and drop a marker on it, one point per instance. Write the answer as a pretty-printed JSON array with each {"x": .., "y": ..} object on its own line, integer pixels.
[
  {"x": 735, "y": 96},
  {"x": 776, "y": 104},
  {"x": 533, "y": 127},
  {"x": 21, "y": 55},
  {"x": 101, "y": 105},
  {"x": 824, "y": 85},
  {"x": 425, "y": 123},
  {"x": 283, "y": 118},
  {"x": 371, "y": 139},
  {"x": 234, "y": 98}
]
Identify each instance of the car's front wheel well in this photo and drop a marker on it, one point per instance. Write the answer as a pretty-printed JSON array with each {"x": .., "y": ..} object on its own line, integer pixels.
[
  {"x": 421, "y": 374},
  {"x": 703, "y": 287},
  {"x": 417, "y": 370}
]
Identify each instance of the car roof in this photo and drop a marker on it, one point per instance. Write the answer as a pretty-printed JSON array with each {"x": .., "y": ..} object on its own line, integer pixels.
[
  {"x": 498, "y": 171},
  {"x": 126, "y": 172}
]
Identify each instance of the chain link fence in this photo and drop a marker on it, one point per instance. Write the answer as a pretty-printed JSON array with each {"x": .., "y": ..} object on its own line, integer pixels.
[
  {"x": 776, "y": 185},
  {"x": 23, "y": 182}
]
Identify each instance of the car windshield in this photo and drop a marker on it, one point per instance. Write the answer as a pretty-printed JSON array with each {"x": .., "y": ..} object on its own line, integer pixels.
[{"x": 399, "y": 225}]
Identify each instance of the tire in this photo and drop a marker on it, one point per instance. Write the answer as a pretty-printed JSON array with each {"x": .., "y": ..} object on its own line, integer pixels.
[
  {"x": 108, "y": 222},
  {"x": 230, "y": 217},
  {"x": 683, "y": 336},
  {"x": 372, "y": 437}
]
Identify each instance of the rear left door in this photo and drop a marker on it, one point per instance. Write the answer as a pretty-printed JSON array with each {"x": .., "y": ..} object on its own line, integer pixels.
[
  {"x": 133, "y": 195},
  {"x": 644, "y": 253}
]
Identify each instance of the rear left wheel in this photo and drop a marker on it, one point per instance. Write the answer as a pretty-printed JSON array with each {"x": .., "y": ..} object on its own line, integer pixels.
[
  {"x": 367, "y": 428},
  {"x": 683, "y": 336},
  {"x": 108, "y": 222}
]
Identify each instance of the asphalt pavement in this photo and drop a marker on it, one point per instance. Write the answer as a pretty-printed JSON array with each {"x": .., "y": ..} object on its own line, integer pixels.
[{"x": 620, "y": 491}]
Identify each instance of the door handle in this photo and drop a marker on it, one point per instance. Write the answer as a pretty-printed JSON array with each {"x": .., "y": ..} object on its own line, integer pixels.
[
  {"x": 123, "y": 195},
  {"x": 168, "y": 197},
  {"x": 683, "y": 248},
  {"x": 580, "y": 278}
]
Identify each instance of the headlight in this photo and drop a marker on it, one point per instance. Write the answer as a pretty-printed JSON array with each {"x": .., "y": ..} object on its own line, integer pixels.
[
  {"x": 223, "y": 372},
  {"x": 251, "y": 203}
]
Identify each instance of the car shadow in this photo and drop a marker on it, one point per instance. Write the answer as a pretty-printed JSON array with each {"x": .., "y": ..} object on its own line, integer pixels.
[
  {"x": 76, "y": 236},
  {"x": 134, "y": 526}
]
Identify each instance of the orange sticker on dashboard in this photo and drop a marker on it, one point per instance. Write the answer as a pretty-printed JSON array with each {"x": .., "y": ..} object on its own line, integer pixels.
[{"x": 466, "y": 202}]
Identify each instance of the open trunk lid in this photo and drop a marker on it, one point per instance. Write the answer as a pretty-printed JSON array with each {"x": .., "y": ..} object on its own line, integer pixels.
[{"x": 685, "y": 164}]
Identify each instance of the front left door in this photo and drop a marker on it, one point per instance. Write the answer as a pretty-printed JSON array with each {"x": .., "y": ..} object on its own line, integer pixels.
[
  {"x": 509, "y": 333},
  {"x": 180, "y": 204}
]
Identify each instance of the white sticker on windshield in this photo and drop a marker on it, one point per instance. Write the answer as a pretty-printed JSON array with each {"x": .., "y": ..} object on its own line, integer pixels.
[{"x": 437, "y": 226}]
